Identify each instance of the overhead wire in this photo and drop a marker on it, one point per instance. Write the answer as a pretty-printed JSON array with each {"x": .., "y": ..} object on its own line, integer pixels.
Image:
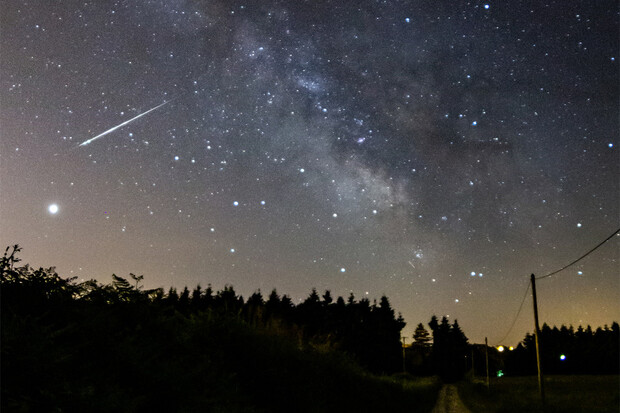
[
  {"x": 514, "y": 321},
  {"x": 580, "y": 258}
]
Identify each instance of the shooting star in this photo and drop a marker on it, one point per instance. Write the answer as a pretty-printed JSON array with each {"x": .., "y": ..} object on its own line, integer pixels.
[{"x": 86, "y": 142}]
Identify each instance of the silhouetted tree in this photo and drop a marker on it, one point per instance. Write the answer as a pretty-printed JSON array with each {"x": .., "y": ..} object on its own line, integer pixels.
[
  {"x": 449, "y": 349},
  {"x": 114, "y": 319},
  {"x": 419, "y": 354},
  {"x": 584, "y": 351},
  {"x": 183, "y": 303},
  {"x": 172, "y": 298},
  {"x": 421, "y": 336},
  {"x": 196, "y": 300},
  {"x": 254, "y": 309},
  {"x": 228, "y": 303},
  {"x": 327, "y": 298}
]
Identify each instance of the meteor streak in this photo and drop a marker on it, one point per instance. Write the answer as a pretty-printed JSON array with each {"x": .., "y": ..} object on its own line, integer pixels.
[{"x": 86, "y": 142}]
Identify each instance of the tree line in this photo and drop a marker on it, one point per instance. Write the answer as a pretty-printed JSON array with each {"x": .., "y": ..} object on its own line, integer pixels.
[
  {"x": 445, "y": 351},
  {"x": 67, "y": 344},
  {"x": 567, "y": 350},
  {"x": 368, "y": 332},
  {"x": 62, "y": 337}
]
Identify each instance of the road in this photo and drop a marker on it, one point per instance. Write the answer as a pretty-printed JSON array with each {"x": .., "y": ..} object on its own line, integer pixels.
[{"x": 449, "y": 401}]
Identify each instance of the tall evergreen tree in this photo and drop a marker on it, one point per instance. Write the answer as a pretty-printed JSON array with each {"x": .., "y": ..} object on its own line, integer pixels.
[{"x": 421, "y": 336}]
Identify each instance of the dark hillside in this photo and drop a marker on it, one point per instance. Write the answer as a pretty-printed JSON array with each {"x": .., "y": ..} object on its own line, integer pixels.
[{"x": 90, "y": 347}]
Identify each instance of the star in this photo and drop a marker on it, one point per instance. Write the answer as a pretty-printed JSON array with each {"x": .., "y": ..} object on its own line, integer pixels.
[{"x": 372, "y": 143}]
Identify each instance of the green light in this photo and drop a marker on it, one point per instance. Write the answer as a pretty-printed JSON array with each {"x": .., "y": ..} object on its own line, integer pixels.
[
  {"x": 500, "y": 373},
  {"x": 562, "y": 357}
]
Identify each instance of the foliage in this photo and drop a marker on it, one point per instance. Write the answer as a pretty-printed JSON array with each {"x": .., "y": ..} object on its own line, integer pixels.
[
  {"x": 450, "y": 348},
  {"x": 584, "y": 351},
  {"x": 70, "y": 346},
  {"x": 421, "y": 337}
]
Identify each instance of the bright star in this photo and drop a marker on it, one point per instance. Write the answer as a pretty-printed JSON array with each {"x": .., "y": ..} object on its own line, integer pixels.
[{"x": 53, "y": 209}]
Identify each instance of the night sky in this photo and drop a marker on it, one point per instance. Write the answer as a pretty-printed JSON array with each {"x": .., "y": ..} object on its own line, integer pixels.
[{"x": 437, "y": 152}]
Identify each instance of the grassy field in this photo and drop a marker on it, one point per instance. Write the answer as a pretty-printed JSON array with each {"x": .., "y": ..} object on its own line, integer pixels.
[
  {"x": 116, "y": 358},
  {"x": 563, "y": 394}
]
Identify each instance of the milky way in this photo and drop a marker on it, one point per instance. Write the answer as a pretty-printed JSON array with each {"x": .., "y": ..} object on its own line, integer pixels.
[{"x": 432, "y": 152}]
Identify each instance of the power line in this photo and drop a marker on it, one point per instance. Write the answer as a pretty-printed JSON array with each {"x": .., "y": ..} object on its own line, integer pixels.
[
  {"x": 514, "y": 321},
  {"x": 517, "y": 315},
  {"x": 580, "y": 258}
]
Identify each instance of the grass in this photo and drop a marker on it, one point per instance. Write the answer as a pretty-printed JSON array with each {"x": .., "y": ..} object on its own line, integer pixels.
[
  {"x": 119, "y": 359},
  {"x": 572, "y": 394}
]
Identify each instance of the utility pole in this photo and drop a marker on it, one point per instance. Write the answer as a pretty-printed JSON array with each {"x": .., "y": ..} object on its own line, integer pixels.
[
  {"x": 486, "y": 350},
  {"x": 404, "y": 340},
  {"x": 541, "y": 384}
]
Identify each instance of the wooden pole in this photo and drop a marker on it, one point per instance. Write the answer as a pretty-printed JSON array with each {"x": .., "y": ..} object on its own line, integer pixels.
[
  {"x": 486, "y": 350},
  {"x": 404, "y": 368},
  {"x": 541, "y": 384}
]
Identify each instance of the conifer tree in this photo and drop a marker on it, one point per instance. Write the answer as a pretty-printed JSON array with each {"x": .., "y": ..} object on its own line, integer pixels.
[{"x": 421, "y": 336}]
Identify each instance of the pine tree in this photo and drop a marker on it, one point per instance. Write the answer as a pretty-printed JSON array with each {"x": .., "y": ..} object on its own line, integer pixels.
[
  {"x": 196, "y": 297},
  {"x": 421, "y": 336},
  {"x": 327, "y": 297}
]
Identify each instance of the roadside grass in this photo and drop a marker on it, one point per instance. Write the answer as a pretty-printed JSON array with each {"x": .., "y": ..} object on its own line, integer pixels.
[
  {"x": 572, "y": 394},
  {"x": 422, "y": 392}
]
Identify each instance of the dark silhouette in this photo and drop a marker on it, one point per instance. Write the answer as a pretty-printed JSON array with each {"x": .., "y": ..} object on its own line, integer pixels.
[
  {"x": 450, "y": 349},
  {"x": 418, "y": 359},
  {"x": 567, "y": 351},
  {"x": 421, "y": 337},
  {"x": 87, "y": 346}
]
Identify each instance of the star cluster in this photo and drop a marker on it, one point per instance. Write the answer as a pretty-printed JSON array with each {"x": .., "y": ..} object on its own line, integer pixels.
[{"x": 433, "y": 152}]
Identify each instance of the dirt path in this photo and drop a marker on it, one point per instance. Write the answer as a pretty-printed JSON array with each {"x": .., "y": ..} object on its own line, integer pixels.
[{"x": 449, "y": 401}]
